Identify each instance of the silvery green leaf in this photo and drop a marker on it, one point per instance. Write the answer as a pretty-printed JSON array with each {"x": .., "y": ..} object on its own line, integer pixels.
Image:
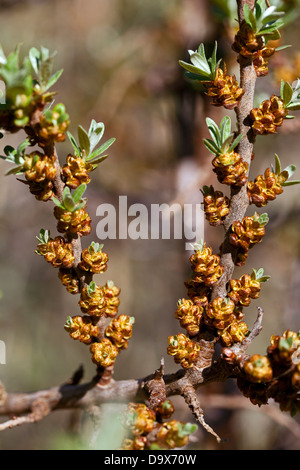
[
  {"x": 250, "y": 18},
  {"x": 289, "y": 171},
  {"x": 69, "y": 204},
  {"x": 101, "y": 149},
  {"x": 294, "y": 105},
  {"x": 84, "y": 140},
  {"x": 18, "y": 170},
  {"x": 214, "y": 131},
  {"x": 263, "y": 219},
  {"x": 74, "y": 143},
  {"x": 97, "y": 160},
  {"x": 53, "y": 79},
  {"x": 199, "y": 62},
  {"x": 78, "y": 193},
  {"x": 211, "y": 146},
  {"x": 277, "y": 165},
  {"x": 202, "y": 75},
  {"x": 259, "y": 273},
  {"x": 225, "y": 128},
  {"x": 34, "y": 57},
  {"x": 58, "y": 203},
  {"x": 235, "y": 142},
  {"x": 290, "y": 183},
  {"x": 80, "y": 205},
  {"x": 287, "y": 93},
  {"x": 264, "y": 279},
  {"x": 213, "y": 60},
  {"x": 281, "y": 48},
  {"x": 95, "y": 133}
]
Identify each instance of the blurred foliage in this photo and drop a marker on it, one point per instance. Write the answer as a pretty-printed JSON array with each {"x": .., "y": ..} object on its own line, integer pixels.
[{"x": 120, "y": 61}]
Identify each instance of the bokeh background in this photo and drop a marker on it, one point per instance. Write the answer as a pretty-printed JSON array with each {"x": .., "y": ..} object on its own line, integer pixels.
[{"x": 120, "y": 61}]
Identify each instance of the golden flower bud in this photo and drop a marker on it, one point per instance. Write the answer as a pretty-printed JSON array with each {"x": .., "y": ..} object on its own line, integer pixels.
[
  {"x": 75, "y": 171},
  {"x": 81, "y": 328},
  {"x": 120, "y": 330},
  {"x": 92, "y": 301},
  {"x": 93, "y": 261},
  {"x": 104, "y": 353},
  {"x": 77, "y": 222},
  {"x": 258, "y": 369},
  {"x": 184, "y": 350},
  {"x": 57, "y": 252},
  {"x": 139, "y": 419},
  {"x": 189, "y": 315},
  {"x": 224, "y": 90},
  {"x": 111, "y": 294}
]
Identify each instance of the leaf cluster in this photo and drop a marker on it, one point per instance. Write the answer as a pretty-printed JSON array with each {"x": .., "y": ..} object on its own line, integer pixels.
[
  {"x": 222, "y": 140},
  {"x": 86, "y": 148},
  {"x": 71, "y": 202}
]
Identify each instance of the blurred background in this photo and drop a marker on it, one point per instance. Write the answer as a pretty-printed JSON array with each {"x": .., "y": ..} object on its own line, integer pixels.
[{"x": 120, "y": 61}]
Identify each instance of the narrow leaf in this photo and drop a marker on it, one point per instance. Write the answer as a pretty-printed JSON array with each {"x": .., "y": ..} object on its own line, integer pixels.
[
  {"x": 78, "y": 193},
  {"x": 277, "y": 165},
  {"x": 58, "y": 203},
  {"x": 53, "y": 79},
  {"x": 84, "y": 140},
  {"x": 235, "y": 142}
]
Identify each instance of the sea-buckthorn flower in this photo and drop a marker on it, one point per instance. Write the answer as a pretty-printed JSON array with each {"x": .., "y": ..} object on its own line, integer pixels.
[
  {"x": 104, "y": 353},
  {"x": 220, "y": 313},
  {"x": 224, "y": 89},
  {"x": 164, "y": 410},
  {"x": 174, "y": 434},
  {"x": 94, "y": 259},
  {"x": 189, "y": 315},
  {"x": 55, "y": 251},
  {"x": 119, "y": 331},
  {"x": 138, "y": 443},
  {"x": 235, "y": 333},
  {"x": 69, "y": 279},
  {"x": 283, "y": 348},
  {"x": 53, "y": 125},
  {"x": 245, "y": 234},
  {"x": 75, "y": 171},
  {"x": 92, "y": 300},
  {"x": 26, "y": 88},
  {"x": 258, "y": 369},
  {"x": 228, "y": 165},
  {"x": 111, "y": 294},
  {"x": 39, "y": 167},
  {"x": 70, "y": 213},
  {"x": 271, "y": 113},
  {"x": 139, "y": 419},
  {"x": 260, "y": 25},
  {"x": 184, "y": 350},
  {"x": 81, "y": 328},
  {"x": 265, "y": 188},
  {"x": 87, "y": 154},
  {"x": 247, "y": 287},
  {"x": 205, "y": 266},
  {"x": 269, "y": 116},
  {"x": 216, "y": 205}
]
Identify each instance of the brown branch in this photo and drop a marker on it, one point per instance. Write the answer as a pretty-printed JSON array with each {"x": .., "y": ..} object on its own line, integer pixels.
[
  {"x": 192, "y": 401},
  {"x": 239, "y": 198}
]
